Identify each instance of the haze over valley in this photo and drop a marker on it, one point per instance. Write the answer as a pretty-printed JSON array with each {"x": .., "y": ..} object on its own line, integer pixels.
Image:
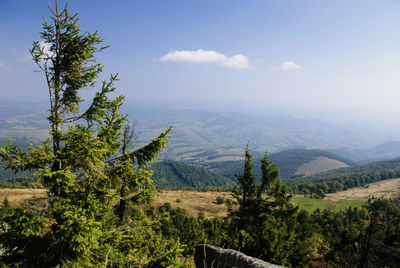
[{"x": 219, "y": 134}]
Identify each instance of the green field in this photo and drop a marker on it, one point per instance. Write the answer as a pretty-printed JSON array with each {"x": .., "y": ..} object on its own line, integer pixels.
[{"x": 310, "y": 204}]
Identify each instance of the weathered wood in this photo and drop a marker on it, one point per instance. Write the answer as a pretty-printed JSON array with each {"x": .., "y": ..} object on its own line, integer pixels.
[{"x": 209, "y": 256}]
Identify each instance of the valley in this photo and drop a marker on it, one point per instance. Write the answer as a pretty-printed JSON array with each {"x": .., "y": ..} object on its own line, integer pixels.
[{"x": 208, "y": 135}]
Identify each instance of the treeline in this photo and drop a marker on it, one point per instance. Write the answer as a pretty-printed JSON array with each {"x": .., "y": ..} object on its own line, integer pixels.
[
  {"x": 11, "y": 179},
  {"x": 9, "y": 175},
  {"x": 21, "y": 183},
  {"x": 346, "y": 178}
]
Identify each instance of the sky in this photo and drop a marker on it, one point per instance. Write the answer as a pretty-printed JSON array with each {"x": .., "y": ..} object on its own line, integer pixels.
[{"x": 331, "y": 58}]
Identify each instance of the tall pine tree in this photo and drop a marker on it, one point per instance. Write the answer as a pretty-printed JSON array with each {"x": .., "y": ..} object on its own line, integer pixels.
[
  {"x": 85, "y": 165},
  {"x": 264, "y": 223}
]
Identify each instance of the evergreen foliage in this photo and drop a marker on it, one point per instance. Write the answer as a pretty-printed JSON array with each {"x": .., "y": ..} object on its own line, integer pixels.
[
  {"x": 265, "y": 225},
  {"x": 265, "y": 220},
  {"x": 82, "y": 166}
]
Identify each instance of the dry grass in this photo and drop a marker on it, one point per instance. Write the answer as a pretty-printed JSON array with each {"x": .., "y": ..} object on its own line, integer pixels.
[
  {"x": 194, "y": 202},
  {"x": 385, "y": 189},
  {"x": 19, "y": 196}
]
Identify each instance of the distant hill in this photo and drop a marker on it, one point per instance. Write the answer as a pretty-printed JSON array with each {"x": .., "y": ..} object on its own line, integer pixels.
[
  {"x": 383, "y": 151},
  {"x": 176, "y": 175},
  {"x": 346, "y": 178},
  {"x": 385, "y": 168},
  {"x": 320, "y": 164},
  {"x": 292, "y": 163},
  {"x": 173, "y": 174},
  {"x": 299, "y": 162},
  {"x": 206, "y": 135}
]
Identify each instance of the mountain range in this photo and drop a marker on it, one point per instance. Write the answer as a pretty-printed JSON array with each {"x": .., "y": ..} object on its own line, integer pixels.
[{"x": 206, "y": 135}]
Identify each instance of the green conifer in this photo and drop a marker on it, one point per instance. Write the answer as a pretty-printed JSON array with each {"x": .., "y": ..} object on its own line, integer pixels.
[{"x": 85, "y": 166}]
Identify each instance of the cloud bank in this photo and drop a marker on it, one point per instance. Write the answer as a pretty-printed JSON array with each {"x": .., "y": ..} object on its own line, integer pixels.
[
  {"x": 237, "y": 61},
  {"x": 288, "y": 65}
]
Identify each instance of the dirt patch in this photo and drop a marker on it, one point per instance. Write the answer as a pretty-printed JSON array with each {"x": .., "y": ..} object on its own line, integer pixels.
[
  {"x": 320, "y": 164},
  {"x": 385, "y": 189}
]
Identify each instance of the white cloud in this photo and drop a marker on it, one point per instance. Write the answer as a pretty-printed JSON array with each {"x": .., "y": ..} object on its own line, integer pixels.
[
  {"x": 288, "y": 65},
  {"x": 237, "y": 61},
  {"x": 46, "y": 49},
  {"x": 199, "y": 55}
]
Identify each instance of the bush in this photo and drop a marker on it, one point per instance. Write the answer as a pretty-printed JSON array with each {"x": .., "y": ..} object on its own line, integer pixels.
[
  {"x": 220, "y": 200},
  {"x": 228, "y": 202}
]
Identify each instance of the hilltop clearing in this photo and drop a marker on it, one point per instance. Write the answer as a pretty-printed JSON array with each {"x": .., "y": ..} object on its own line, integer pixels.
[{"x": 318, "y": 165}]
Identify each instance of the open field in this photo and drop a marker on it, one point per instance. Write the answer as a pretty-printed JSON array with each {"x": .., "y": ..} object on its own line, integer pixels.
[
  {"x": 385, "y": 189},
  {"x": 354, "y": 197},
  {"x": 19, "y": 196},
  {"x": 310, "y": 204},
  {"x": 194, "y": 202},
  {"x": 319, "y": 165}
]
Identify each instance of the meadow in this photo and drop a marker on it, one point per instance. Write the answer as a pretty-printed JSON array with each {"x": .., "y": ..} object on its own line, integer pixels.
[{"x": 195, "y": 202}]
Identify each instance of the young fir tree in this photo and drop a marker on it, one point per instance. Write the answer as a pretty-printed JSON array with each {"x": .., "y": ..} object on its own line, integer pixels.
[
  {"x": 264, "y": 224},
  {"x": 85, "y": 165}
]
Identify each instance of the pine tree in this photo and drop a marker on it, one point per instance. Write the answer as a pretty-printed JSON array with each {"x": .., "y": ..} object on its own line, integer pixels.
[
  {"x": 85, "y": 165},
  {"x": 265, "y": 220}
]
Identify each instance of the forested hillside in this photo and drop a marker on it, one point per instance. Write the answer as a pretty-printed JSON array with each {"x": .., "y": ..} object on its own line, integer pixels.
[
  {"x": 177, "y": 175},
  {"x": 288, "y": 162},
  {"x": 10, "y": 175},
  {"x": 345, "y": 178},
  {"x": 383, "y": 151}
]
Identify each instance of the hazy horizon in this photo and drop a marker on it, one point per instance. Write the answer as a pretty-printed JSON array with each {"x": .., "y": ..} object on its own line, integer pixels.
[{"x": 334, "y": 61}]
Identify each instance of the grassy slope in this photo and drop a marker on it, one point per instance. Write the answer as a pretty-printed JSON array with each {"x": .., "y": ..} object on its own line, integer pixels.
[
  {"x": 320, "y": 164},
  {"x": 313, "y": 204}
]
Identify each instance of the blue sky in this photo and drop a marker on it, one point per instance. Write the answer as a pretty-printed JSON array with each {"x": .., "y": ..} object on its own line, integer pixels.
[{"x": 322, "y": 57}]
